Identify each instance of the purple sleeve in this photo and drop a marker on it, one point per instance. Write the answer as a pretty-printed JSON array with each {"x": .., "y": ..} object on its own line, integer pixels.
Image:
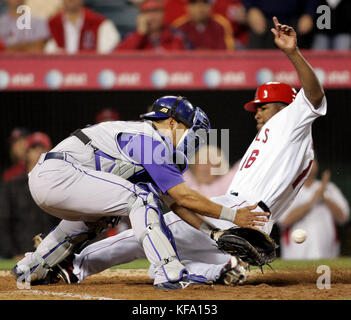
[{"x": 155, "y": 157}]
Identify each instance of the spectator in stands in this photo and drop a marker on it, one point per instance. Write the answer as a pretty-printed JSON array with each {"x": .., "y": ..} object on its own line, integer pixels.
[
  {"x": 296, "y": 13},
  {"x": 209, "y": 172},
  {"x": 18, "y": 146},
  {"x": 205, "y": 30},
  {"x": 317, "y": 208},
  {"x": 235, "y": 12},
  {"x": 174, "y": 9},
  {"x": 79, "y": 29},
  {"x": 151, "y": 34},
  {"x": 338, "y": 37},
  {"x": 22, "y": 40},
  {"x": 2, "y": 45},
  {"x": 123, "y": 13},
  {"x": 3, "y": 7},
  {"x": 20, "y": 218},
  {"x": 43, "y": 8},
  {"x": 107, "y": 114}
]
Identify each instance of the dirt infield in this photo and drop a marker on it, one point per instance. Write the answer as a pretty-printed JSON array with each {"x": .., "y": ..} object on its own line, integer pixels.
[{"x": 135, "y": 285}]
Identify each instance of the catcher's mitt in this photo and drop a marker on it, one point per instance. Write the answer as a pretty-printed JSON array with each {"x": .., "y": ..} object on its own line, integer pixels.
[{"x": 251, "y": 246}]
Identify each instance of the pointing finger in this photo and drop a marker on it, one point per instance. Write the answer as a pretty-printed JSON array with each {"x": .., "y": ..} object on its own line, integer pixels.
[{"x": 275, "y": 21}]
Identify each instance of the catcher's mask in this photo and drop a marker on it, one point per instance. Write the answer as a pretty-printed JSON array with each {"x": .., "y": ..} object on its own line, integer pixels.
[{"x": 197, "y": 135}]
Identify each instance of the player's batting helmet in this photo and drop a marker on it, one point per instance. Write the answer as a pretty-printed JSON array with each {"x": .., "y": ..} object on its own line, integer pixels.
[
  {"x": 178, "y": 108},
  {"x": 271, "y": 92}
]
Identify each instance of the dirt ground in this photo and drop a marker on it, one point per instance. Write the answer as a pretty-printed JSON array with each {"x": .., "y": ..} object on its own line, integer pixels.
[{"x": 135, "y": 285}]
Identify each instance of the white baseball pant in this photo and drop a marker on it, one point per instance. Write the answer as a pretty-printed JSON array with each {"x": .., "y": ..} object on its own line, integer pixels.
[{"x": 197, "y": 252}]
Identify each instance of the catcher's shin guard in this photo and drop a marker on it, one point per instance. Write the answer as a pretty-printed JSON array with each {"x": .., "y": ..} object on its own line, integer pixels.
[
  {"x": 157, "y": 246},
  {"x": 36, "y": 267},
  {"x": 168, "y": 261}
]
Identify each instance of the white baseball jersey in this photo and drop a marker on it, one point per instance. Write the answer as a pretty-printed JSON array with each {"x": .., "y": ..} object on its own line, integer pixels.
[
  {"x": 319, "y": 224},
  {"x": 279, "y": 158}
]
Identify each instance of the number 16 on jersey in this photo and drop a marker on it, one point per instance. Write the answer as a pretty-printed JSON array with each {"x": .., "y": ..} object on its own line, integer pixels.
[{"x": 250, "y": 160}]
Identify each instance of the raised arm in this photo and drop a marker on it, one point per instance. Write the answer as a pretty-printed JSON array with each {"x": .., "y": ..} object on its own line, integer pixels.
[{"x": 285, "y": 39}]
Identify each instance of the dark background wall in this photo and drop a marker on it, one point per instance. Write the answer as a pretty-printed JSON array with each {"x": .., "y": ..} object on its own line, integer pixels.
[{"x": 60, "y": 113}]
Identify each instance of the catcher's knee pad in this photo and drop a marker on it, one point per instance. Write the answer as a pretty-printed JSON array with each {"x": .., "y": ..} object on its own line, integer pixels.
[{"x": 55, "y": 247}]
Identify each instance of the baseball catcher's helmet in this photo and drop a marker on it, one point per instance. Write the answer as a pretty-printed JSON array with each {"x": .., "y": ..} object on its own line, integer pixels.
[
  {"x": 182, "y": 111},
  {"x": 170, "y": 106},
  {"x": 197, "y": 134},
  {"x": 271, "y": 92}
]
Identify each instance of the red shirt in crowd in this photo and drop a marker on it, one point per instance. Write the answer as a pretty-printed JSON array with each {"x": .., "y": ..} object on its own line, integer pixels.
[
  {"x": 88, "y": 34},
  {"x": 14, "y": 171},
  {"x": 216, "y": 34},
  {"x": 168, "y": 40},
  {"x": 2, "y": 45},
  {"x": 228, "y": 8},
  {"x": 173, "y": 10}
]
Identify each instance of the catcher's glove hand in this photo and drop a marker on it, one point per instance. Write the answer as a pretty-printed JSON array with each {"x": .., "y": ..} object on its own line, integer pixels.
[{"x": 252, "y": 246}]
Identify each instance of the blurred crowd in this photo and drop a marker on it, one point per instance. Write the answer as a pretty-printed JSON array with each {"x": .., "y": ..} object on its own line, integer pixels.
[{"x": 105, "y": 26}]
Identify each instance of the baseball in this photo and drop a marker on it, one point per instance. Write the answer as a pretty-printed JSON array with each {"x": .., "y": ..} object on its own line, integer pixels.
[{"x": 299, "y": 235}]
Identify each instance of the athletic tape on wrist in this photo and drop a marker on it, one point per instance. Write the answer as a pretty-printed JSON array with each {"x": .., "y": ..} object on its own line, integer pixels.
[{"x": 227, "y": 214}]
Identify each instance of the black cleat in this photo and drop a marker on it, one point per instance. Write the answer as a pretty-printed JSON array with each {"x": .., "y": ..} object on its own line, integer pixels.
[{"x": 64, "y": 271}]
